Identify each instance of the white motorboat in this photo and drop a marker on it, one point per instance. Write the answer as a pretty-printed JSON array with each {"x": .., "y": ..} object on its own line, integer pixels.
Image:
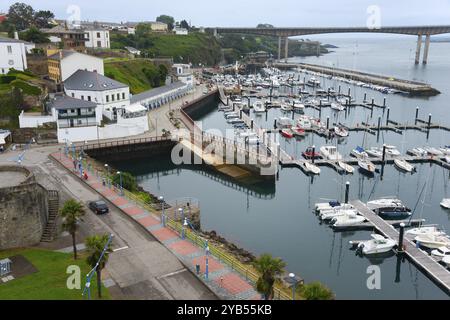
[
  {"x": 298, "y": 106},
  {"x": 258, "y": 107},
  {"x": 374, "y": 152},
  {"x": 331, "y": 204},
  {"x": 311, "y": 168},
  {"x": 313, "y": 81},
  {"x": 392, "y": 151},
  {"x": 378, "y": 244},
  {"x": 433, "y": 151},
  {"x": 347, "y": 220},
  {"x": 316, "y": 123},
  {"x": 447, "y": 159},
  {"x": 341, "y": 131},
  {"x": 441, "y": 252},
  {"x": 445, "y": 203},
  {"x": 366, "y": 165},
  {"x": 404, "y": 165},
  {"x": 329, "y": 215},
  {"x": 425, "y": 230},
  {"x": 446, "y": 260},
  {"x": 418, "y": 152},
  {"x": 286, "y": 107},
  {"x": 346, "y": 167},
  {"x": 330, "y": 153},
  {"x": 304, "y": 122},
  {"x": 433, "y": 241},
  {"x": 359, "y": 152},
  {"x": 337, "y": 106},
  {"x": 283, "y": 122},
  {"x": 445, "y": 150}
]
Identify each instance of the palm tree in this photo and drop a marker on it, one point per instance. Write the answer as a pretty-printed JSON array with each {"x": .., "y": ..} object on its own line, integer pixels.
[
  {"x": 95, "y": 246},
  {"x": 269, "y": 268},
  {"x": 315, "y": 291},
  {"x": 72, "y": 213}
]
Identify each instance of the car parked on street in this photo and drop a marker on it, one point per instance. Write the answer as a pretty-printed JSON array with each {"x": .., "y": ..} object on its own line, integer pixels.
[{"x": 99, "y": 207}]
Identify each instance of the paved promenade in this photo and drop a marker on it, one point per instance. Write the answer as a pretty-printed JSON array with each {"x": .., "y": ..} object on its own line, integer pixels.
[{"x": 223, "y": 281}]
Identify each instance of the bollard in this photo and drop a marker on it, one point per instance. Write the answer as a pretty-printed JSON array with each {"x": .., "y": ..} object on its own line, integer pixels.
[
  {"x": 347, "y": 190},
  {"x": 384, "y": 154},
  {"x": 400, "y": 237},
  {"x": 417, "y": 115},
  {"x": 387, "y": 116},
  {"x": 313, "y": 153}
]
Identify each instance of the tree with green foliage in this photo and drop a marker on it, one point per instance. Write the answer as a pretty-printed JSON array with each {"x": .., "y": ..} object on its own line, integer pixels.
[
  {"x": 163, "y": 72},
  {"x": 184, "y": 24},
  {"x": 42, "y": 18},
  {"x": 21, "y": 15},
  {"x": 315, "y": 291},
  {"x": 34, "y": 35},
  {"x": 72, "y": 213},
  {"x": 95, "y": 246},
  {"x": 170, "y": 21},
  {"x": 128, "y": 181},
  {"x": 269, "y": 268}
]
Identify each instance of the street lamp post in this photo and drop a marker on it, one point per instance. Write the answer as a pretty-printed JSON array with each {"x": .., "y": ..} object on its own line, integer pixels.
[
  {"x": 108, "y": 180},
  {"x": 163, "y": 217},
  {"x": 183, "y": 230},
  {"x": 181, "y": 212},
  {"x": 120, "y": 179},
  {"x": 207, "y": 262},
  {"x": 293, "y": 280}
]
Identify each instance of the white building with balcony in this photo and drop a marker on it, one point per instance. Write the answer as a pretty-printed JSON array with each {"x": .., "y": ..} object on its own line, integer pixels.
[
  {"x": 97, "y": 38},
  {"x": 184, "y": 74},
  {"x": 13, "y": 55}
]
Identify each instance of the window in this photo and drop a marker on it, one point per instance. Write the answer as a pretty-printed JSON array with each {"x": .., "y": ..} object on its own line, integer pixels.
[
  {"x": 99, "y": 44},
  {"x": 123, "y": 95},
  {"x": 11, "y": 62},
  {"x": 73, "y": 95},
  {"x": 89, "y": 98},
  {"x": 118, "y": 96},
  {"x": 112, "y": 98},
  {"x": 98, "y": 34},
  {"x": 107, "y": 98},
  {"x": 82, "y": 97},
  {"x": 79, "y": 122},
  {"x": 9, "y": 49}
]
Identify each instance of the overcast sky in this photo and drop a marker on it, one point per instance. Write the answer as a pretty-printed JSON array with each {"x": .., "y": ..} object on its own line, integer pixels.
[{"x": 281, "y": 13}]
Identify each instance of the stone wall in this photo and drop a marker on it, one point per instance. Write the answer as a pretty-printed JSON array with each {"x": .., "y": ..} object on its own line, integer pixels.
[{"x": 23, "y": 213}]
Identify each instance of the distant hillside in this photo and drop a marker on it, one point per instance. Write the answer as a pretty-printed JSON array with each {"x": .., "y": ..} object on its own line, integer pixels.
[
  {"x": 139, "y": 74},
  {"x": 193, "y": 48}
]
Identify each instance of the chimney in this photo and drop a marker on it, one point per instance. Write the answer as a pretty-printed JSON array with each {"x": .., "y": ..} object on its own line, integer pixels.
[{"x": 16, "y": 35}]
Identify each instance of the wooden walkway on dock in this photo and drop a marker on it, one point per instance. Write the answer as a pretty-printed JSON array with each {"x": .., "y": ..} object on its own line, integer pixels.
[{"x": 421, "y": 259}]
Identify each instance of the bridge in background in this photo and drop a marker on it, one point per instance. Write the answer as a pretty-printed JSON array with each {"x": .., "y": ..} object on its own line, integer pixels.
[{"x": 284, "y": 33}]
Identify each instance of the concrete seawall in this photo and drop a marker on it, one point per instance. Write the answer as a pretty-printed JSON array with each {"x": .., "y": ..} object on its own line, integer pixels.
[{"x": 412, "y": 87}]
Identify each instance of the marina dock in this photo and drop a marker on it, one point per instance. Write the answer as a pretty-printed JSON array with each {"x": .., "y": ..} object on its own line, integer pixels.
[{"x": 420, "y": 258}]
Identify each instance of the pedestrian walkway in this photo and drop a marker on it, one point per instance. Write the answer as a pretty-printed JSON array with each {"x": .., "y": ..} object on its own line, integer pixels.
[{"x": 221, "y": 279}]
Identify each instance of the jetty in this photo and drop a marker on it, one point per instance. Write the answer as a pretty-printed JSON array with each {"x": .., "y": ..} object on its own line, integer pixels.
[
  {"x": 412, "y": 87},
  {"x": 430, "y": 267}
]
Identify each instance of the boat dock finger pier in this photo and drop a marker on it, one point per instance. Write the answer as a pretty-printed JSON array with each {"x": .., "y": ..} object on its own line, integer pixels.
[{"x": 420, "y": 258}]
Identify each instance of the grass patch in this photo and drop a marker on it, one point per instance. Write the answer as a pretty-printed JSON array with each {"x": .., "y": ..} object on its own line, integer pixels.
[
  {"x": 26, "y": 87},
  {"x": 49, "y": 283}
]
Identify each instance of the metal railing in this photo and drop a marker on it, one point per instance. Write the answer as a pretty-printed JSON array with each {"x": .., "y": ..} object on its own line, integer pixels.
[{"x": 116, "y": 143}]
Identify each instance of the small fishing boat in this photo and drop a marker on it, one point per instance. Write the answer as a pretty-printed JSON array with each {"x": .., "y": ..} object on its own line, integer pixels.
[
  {"x": 446, "y": 261},
  {"x": 445, "y": 203},
  {"x": 347, "y": 220},
  {"x": 310, "y": 153},
  {"x": 298, "y": 107},
  {"x": 287, "y": 133},
  {"x": 316, "y": 123},
  {"x": 330, "y": 153},
  {"x": 433, "y": 151},
  {"x": 286, "y": 107},
  {"x": 346, "y": 167},
  {"x": 392, "y": 151},
  {"x": 328, "y": 205},
  {"x": 378, "y": 244},
  {"x": 283, "y": 122},
  {"x": 358, "y": 152},
  {"x": 304, "y": 122},
  {"x": 445, "y": 150},
  {"x": 366, "y": 165},
  {"x": 341, "y": 131},
  {"x": 425, "y": 230},
  {"x": 420, "y": 152},
  {"x": 404, "y": 165},
  {"x": 441, "y": 252},
  {"x": 310, "y": 168},
  {"x": 433, "y": 241},
  {"x": 447, "y": 159},
  {"x": 331, "y": 214},
  {"x": 389, "y": 209},
  {"x": 337, "y": 106}
]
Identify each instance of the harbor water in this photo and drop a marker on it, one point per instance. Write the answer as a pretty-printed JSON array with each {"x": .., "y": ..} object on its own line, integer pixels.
[{"x": 278, "y": 218}]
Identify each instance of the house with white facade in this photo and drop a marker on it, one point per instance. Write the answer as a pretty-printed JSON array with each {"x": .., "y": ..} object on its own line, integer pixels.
[
  {"x": 13, "y": 55},
  {"x": 181, "y": 31},
  {"x": 157, "y": 97},
  {"x": 184, "y": 74},
  {"x": 65, "y": 63},
  {"x": 97, "y": 37},
  {"x": 90, "y": 86},
  {"x": 133, "y": 51}
]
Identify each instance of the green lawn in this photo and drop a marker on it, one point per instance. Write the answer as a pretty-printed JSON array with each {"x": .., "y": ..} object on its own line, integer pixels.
[{"x": 49, "y": 283}]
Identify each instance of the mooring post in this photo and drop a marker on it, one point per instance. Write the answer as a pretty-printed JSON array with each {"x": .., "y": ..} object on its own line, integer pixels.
[
  {"x": 339, "y": 91},
  {"x": 328, "y": 123},
  {"x": 387, "y": 116},
  {"x": 384, "y": 154},
  {"x": 228, "y": 102},
  {"x": 379, "y": 123},
  {"x": 365, "y": 97},
  {"x": 373, "y": 102},
  {"x": 320, "y": 113},
  {"x": 429, "y": 121},
  {"x": 275, "y": 124},
  {"x": 384, "y": 102},
  {"x": 349, "y": 92},
  {"x": 240, "y": 114},
  {"x": 313, "y": 153},
  {"x": 292, "y": 114},
  {"x": 320, "y": 103},
  {"x": 417, "y": 115},
  {"x": 400, "y": 238},
  {"x": 252, "y": 124},
  {"x": 347, "y": 190}
]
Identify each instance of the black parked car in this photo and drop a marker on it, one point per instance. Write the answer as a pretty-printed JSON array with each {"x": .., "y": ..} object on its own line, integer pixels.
[{"x": 99, "y": 207}]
